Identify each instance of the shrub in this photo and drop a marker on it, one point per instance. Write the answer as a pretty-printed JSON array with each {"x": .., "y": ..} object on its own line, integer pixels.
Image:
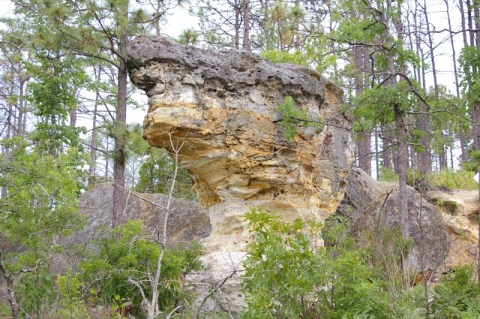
[
  {"x": 129, "y": 254},
  {"x": 457, "y": 295},
  {"x": 289, "y": 275}
]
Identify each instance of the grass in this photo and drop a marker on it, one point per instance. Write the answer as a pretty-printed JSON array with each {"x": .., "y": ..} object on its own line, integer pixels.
[
  {"x": 447, "y": 178},
  {"x": 4, "y": 310},
  {"x": 453, "y": 179}
]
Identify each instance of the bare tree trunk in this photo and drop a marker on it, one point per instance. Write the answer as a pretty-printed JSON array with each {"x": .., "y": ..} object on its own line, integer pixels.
[
  {"x": 454, "y": 53},
  {"x": 246, "y": 25},
  {"x": 476, "y": 115},
  {"x": 377, "y": 162},
  {"x": 364, "y": 153},
  {"x": 386, "y": 146},
  {"x": 21, "y": 125},
  {"x": 364, "y": 142},
  {"x": 463, "y": 135},
  {"x": 442, "y": 156},
  {"x": 94, "y": 139}
]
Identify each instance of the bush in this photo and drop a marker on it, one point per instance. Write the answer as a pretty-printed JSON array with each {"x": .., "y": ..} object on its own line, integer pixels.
[
  {"x": 457, "y": 295},
  {"x": 289, "y": 275},
  {"x": 129, "y": 254},
  {"x": 453, "y": 179},
  {"x": 387, "y": 174}
]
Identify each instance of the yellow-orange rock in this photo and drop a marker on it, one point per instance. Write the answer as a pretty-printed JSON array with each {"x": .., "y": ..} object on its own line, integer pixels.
[{"x": 219, "y": 109}]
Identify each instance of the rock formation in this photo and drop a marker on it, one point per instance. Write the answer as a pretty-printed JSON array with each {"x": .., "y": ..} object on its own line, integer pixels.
[
  {"x": 217, "y": 110},
  {"x": 443, "y": 223},
  {"x": 459, "y": 213},
  {"x": 372, "y": 205},
  {"x": 221, "y": 106},
  {"x": 187, "y": 222}
]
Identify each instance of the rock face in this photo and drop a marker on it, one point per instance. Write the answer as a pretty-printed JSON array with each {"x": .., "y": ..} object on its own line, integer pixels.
[
  {"x": 443, "y": 224},
  {"x": 187, "y": 221},
  {"x": 459, "y": 212},
  {"x": 218, "y": 111}
]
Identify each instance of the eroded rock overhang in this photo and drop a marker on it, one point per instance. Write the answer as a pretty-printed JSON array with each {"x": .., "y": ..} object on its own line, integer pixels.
[{"x": 221, "y": 106}]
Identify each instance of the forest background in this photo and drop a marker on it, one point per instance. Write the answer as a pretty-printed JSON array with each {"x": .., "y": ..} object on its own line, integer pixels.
[{"x": 410, "y": 71}]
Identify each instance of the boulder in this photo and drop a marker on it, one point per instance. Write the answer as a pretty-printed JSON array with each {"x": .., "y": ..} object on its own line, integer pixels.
[
  {"x": 443, "y": 223},
  {"x": 459, "y": 213},
  {"x": 187, "y": 221}
]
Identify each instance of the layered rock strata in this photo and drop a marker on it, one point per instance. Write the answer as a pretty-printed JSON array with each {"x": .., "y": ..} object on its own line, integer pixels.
[{"x": 218, "y": 110}]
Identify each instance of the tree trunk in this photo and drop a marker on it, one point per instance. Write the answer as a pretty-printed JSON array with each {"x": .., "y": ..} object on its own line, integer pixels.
[
  {"x": 246, "y": 25},
  {"x": 386, "y": 145},
  {"x": 442, "y": 156},
  {"x": 364, "y": 153},
  {"x": 21, "y": 108},
  {"x": 119, "y": 163},
  {"x": 454, "y": 53},
  {"x": 431, "y": 49},
  {"x": 12, "y": 300},
  {"x": 402, "y": 146},
  {"x": 94, "y": 140},
  {"x": 377, "y": 162},
  {"x": 364, "y": 141}
]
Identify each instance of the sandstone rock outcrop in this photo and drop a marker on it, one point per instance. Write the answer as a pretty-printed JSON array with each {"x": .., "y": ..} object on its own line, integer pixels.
[
  {"x": 443, "y": 223},
  {"x": 218, "y": 111},
  {"x": 372, "y": 205},
  {"x": 459, "y": 212},
  {"x": 222, "y": 106}
]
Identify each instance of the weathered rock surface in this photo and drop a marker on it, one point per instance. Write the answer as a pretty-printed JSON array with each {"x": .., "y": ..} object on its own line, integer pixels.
[
  {"x": 459, "y": 211},
  {"x": 218, "y": 109},
  {"x": 222, "y": 106},
  {"x": 187, "y": 221},
  {"x": 443, "y": 224}
]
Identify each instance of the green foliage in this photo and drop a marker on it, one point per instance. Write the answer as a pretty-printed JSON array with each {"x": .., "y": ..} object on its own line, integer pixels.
[
  {"x": 387, "y": 174},
  {"x": 189, "y": 36},
  {"x": 38, "y": 203},
  {"x": 156, "y": 173},
  {"x": 452, "y": 179},
  {"x": 279, "y": 267},
  {"x": 296, "y": 57},
  {"x": 70, "y": 301},
  {"x": 289, "y": 274},
  {"x": 457, "y": 295},
  {"x": 294, "y": 117},
  {"x": 128, "y": 254},
  {"x": 36, "y": 292},
  {"x": 5, "y": 309},
  {"x": 375, "y": 105},
  {"x": 474, "y": 161},
  {"x": 53, "y": 94},
  {"x": 469, "y": 62}
]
